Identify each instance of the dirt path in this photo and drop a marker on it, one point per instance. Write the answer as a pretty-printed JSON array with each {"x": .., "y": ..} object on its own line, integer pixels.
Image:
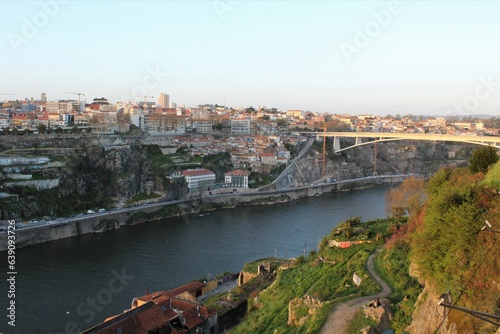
[{"x": 342, "y": 314}]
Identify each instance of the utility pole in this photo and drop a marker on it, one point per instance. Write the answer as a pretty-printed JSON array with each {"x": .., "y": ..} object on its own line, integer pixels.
[{"x": 446, "y": 302}]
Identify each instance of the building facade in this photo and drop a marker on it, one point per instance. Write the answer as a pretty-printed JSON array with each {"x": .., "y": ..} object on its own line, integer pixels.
[
  {"x": 163, "y": 101},
  {"x": 199, "y": 179},
  {"x": 240, "y": 126},
  {"x": 236, "y": 179}
]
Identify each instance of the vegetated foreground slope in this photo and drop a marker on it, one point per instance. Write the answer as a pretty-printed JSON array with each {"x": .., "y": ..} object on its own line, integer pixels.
[
  {"x": 303, "y": 295},
  {"x": 452, "y": 253},
  {"x": 444, "y": 247}
]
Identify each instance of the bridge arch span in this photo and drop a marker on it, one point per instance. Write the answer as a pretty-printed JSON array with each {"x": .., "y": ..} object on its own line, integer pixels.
[{"x": 385, "y": 136}]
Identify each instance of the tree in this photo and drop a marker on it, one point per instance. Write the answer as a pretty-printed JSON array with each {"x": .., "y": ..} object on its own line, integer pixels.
[
  {"x": 482, "y": 158},
  {"x": 41, "y": 128},
  {"x": 282, "y": 122},
  {"x": 74, "y": 129},
  {"x": 407, "y": 199},
  {"x": 59, "y": 130}
]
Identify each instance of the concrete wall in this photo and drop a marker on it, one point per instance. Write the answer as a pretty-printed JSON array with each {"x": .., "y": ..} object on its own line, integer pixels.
[{"x": 39, "y": 184}]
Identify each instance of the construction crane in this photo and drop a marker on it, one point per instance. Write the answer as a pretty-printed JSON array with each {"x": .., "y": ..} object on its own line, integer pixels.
[
  {"x": 145, "y": 99},
  {"x": 79, "y": 95}
]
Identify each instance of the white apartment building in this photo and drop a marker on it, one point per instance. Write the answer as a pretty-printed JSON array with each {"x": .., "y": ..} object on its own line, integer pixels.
[
  {"x": 199, "y": 179},
  {"x": 240, "y": 126}
]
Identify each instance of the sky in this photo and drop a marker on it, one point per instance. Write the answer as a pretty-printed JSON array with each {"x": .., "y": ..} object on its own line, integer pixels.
[{"x": 356, "y": 57}]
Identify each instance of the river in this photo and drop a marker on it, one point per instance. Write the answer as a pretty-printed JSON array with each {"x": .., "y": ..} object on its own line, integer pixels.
[{"x": 70, "y": 285}]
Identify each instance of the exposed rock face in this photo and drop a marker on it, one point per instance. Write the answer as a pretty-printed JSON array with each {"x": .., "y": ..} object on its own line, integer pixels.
[
  {"x": 401, "y": 157},
  {"x": 428, "y": 316},
  {"x": 382, "y": 315},
  {"x": 91, "y": 175}
]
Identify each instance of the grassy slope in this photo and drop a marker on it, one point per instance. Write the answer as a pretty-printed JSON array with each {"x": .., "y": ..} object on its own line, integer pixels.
[{"x": 329, "y": 281}]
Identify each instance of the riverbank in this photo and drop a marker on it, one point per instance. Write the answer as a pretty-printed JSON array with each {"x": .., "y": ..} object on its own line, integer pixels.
[
  {"x": 115, "y": 219},
  {"x": 165, "y": 254}
]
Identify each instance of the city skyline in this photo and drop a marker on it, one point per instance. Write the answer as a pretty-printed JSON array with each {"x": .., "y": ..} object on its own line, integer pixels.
[{"x": 424, "y": 58}]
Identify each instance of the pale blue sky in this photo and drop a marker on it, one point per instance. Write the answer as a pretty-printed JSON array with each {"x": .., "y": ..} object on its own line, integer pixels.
[{"x": 427, "y": 57}]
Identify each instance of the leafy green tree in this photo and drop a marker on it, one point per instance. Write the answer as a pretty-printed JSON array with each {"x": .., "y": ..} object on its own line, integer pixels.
[
  {"x": 41, "y": 128},
  {"x": 74, "y": 129},
  {"x": 282, "y": 122},
  {"x": 59, "y": 130},
  {"x": 482, "y": 158},
  {"x": 14, "y": 131}
]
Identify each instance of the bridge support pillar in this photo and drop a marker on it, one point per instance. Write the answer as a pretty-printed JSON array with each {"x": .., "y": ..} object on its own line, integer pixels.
[
  {"x": 336, "y": 144},
  {"x": 359, "y": 140}
]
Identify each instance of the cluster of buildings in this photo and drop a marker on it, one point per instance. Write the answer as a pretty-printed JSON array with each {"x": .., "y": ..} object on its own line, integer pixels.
[
  {"x": 259, "y": 153},
  {"x": 437, "y": 125},
  {"x": 166, "y": 118},
  {"x": 203, "y": 179}
]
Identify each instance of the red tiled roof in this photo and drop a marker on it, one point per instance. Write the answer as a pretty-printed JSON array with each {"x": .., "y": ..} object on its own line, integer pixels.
[
  {"x": 154, "y": 315},
  {"x": 238, "y": 172},
  {"x": 190, "y": 287},
  {"x": 195, "y": 172}
]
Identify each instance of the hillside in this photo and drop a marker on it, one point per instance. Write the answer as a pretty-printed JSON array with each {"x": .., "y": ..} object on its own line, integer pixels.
[
  {"x": 450, "y": 252},
  {"x": 435, "y": 236},
  {"x": 307, "y": 289}
]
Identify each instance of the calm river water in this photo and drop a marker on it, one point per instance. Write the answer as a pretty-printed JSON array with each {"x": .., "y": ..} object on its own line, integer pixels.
[{"x": 70, "y": 285}]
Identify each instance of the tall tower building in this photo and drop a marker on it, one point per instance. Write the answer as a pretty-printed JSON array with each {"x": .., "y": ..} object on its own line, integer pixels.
[
  {"x": 163, "y": 101},
  {"x": 44, "y": 97}
]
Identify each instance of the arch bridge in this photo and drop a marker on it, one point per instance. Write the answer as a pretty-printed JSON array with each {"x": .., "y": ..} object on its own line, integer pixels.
[{"x": 376, "y": 137}]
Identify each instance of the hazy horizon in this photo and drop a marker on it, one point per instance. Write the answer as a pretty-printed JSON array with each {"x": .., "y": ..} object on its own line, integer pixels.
[{"x": 387, "y": 57}]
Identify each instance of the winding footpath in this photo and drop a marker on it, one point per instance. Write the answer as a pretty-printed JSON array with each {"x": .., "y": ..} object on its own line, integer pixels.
[{"x": 338, "y": 321}]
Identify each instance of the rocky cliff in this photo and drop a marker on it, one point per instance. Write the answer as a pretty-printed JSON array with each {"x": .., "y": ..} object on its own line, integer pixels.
[{"x": 90, "y": 176}]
